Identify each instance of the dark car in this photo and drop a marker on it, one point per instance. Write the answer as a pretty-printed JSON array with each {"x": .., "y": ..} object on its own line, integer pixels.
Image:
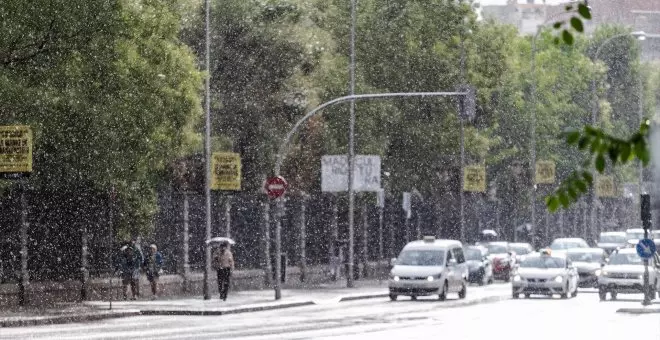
[
  {"x": 588, "y": 262},
  {"x": 479, "y": 265},
  {"x": 503, "y": 260}
]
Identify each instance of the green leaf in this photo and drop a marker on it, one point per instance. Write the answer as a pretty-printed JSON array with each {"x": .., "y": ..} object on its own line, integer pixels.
[
  {"x": 572, "y": 136},
  {"x": 640, "y": 148},
  {"x": 557, "y": 25},
  {"x": 556, "y": 40},
  {"x": 625, "y": 152},
  {"x": 552, "y": 203},
  {"x": 567, "y": 37},
  {"x": 577, "y": 24},
  {"x": 581, "y": 185},
  {"x": 588, "y": 177},
  {"x": 572, "y": 193},
  {"x": 600, "y": 163},
  {"x": 563, "y": 199},
  {"x": 584, "y": 11},
  {"x": 613, "y": 152},
  {"x": 583, "y": 143}
]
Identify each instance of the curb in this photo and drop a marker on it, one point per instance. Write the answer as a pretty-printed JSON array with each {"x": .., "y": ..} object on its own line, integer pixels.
[
  {"x": 363, "y": 297},
  {"x": 62, "y": 319},
  {"x": 225, "y": 312},
  {"x": 639, "y": 311}
]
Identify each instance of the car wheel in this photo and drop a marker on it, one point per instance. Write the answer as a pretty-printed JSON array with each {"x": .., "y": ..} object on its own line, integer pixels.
[
  {"x": 393, "y": 297},
  {"x": 613, "y": 295},
  {"x": 490, "y": 280},
  {"x": 443, "y": 294},
  {"x": 515, "y": 295},
  {"x": 414, "y": 298},
  {"x": 482, "y": 277},
  {"x": 463, "y": 292},
  {"x": 564, "y": 295},
  {"x": 574, "y": 294},
  {"x": 602, "y": 293},
  {"x": 527, "y": 296}
]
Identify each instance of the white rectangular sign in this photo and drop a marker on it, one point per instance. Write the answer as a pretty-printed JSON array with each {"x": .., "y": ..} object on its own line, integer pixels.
[{"x": 334, "y": 173}]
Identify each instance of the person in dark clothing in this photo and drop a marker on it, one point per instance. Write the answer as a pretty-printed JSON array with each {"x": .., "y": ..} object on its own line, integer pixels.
[
  {"x": 223, "y": 263},
  {"x": 129, "y": 270}
]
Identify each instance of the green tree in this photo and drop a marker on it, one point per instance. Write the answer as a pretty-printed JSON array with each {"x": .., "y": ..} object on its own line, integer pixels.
[{"x": 110, "y": 91}]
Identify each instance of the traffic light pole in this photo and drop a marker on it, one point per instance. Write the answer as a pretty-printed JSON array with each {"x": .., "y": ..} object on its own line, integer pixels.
[
  {"x": 468, "y": 97},
  {"x": 645, "y": 206}
]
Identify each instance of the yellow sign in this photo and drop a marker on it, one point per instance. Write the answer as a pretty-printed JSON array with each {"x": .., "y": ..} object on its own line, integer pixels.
[
  {"x": 226, "y": 171},
  {"x": 545, "y": 172},
  {"x": 15, "y": 151},
  {"x": 474, "y": 178},
  {"x": 605, "y": 186}
]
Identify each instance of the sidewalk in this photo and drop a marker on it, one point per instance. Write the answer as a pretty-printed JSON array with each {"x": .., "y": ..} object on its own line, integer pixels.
[
  {"x": 238, "y": 302},
  {"x": 251, "y": 301}
]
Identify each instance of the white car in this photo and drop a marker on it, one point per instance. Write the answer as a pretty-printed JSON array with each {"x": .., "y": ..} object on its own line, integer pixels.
[
  {"x": 612, "y": 240},
  {"x": 634, "y": 235},
  {"x": 624, "y": 273},
  {"x": 545, "y": 273},
  {"x": 429, "y": 267},
  {"x": 562, "y": 244}
]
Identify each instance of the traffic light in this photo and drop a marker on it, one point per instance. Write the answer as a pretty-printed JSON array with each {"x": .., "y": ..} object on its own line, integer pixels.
[{"x": 467, "y": 104}]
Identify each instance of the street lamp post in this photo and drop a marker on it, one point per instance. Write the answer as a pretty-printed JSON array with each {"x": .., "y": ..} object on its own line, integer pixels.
[
  {"x": 639, "y": 35},
  {"x": 207, "y": 146},
  {"x": 351, "y": 155},
  {"x": 532, "y": 151}
]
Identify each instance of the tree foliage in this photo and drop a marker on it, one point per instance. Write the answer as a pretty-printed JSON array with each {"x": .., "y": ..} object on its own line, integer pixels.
[{"x": 110, "y": 91}]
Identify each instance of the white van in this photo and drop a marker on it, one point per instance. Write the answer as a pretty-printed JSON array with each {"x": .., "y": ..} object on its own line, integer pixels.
[{"x": 429, "y": 267}]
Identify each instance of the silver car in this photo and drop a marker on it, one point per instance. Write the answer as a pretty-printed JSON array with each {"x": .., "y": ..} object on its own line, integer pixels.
[
  {"x": 588, "y": 262},
  {"x": 624, "y": 273},
  {"x": 546, "y": 274}
]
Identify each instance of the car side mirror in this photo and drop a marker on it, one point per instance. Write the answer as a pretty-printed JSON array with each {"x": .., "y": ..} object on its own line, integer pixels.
[
  {"x": 393, "y": 262},
  {"x": 451, "y": 263}
]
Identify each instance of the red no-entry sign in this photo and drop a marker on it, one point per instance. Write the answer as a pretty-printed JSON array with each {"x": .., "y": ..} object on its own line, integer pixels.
[{"x": 275, "y": 186}]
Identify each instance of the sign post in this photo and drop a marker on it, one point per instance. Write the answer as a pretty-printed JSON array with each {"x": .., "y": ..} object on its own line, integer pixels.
[
  {"x": 275, "y": 188},
  {"x": 407, "y": 208},
  {"x": 646, "y": 247},
  {"x": 16, "y": 163}
]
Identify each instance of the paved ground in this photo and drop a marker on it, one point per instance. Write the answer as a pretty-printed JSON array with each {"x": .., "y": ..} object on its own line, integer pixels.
[{"x": 583, "y": 317}]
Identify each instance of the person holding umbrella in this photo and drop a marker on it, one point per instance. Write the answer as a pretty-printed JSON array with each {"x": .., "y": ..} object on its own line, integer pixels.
[{"x": 223, "y": 263}]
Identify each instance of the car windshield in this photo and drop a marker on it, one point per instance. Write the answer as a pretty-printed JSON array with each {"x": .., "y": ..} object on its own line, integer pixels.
[
  {"x": 545, "y": 262},
  {"x": 473, "y": 254},
  {"x": 630, "y": 258},
  {"x": 497, "y": 249},
  {"x": 521, "y": 250},
  {"x": 566, "y": 245},
  {"x": 635, "y": 235},
  {"x": 421, "y": 258},
  {"x": 613, "y": 239},
  {"x": 585, "y": 257}
]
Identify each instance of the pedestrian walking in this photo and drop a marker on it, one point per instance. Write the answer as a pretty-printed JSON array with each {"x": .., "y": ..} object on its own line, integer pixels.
[
  {"x": 153, "y": 264},
  {"x": 129, "y": 270},
  {"x": 223, "y": 263}
]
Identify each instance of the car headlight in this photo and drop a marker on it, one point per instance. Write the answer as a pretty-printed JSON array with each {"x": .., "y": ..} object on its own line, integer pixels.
[
  {"x": 559, "y": 279},
  {"x": 640, "y": 277},
  {"x": 395, "y": 278},
  {"x": 597, "y": 272},
  {"x": 517, "y": 278},
  {"x": 604, "y": 273},
  {"x": 430, "y": 278}
]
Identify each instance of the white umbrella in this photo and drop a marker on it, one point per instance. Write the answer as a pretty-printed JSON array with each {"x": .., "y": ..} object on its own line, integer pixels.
[
  {"x": 489, "y": 232},
  {"x": 221, "y": 240}
]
